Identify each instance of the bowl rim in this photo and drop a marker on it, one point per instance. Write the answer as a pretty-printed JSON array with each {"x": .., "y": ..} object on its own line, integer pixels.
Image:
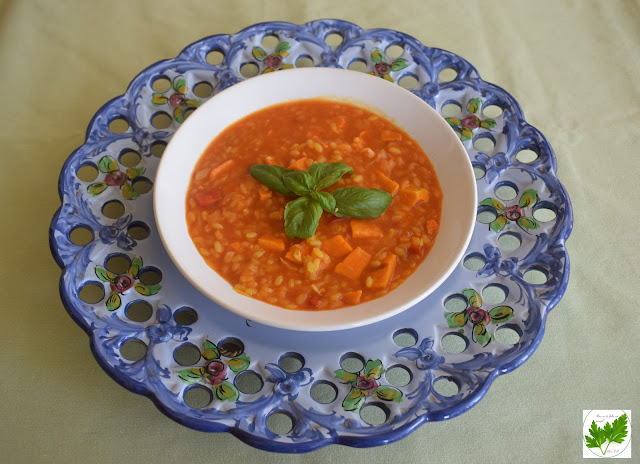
[{"x": 314, "y": 321}]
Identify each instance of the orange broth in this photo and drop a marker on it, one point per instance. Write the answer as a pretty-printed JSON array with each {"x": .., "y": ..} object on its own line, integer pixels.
[{"x": 237, "y": 223}]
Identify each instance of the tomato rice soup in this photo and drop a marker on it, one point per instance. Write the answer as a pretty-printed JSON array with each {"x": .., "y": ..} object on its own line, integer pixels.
[{"x": 237, "y": 223}]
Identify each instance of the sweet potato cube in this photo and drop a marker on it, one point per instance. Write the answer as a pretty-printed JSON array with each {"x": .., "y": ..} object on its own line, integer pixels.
[
  {"x": 337, "y": 246},
  {"x": 352, "y": 298},
  {"x": 208, "y": 197},
  {"x": 380, "y": 278},
  {"x": 387, "y": 184},
  {"x": 221, "y": 169},
  {"x": 413, "y": 196},
  {"x": 301, "y": 164},
  {"x": 432, "y": 227},
  {"x": 352, "y": 266},
  {"x": 365, "y": 229},
  {"x": 390, "y": 136},
  {"x": 271, "y": 243}
]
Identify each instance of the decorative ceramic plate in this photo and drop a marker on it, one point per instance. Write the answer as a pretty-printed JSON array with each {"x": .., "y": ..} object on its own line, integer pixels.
[{"x": 291, "y": 391}]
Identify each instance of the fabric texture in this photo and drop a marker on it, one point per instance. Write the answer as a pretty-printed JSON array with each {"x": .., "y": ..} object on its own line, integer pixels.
[{"x": 572, "y": 66}]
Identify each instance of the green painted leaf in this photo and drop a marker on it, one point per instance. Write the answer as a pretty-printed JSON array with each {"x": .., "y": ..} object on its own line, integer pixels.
[
  {"x": 178, "y": 114},
  {"x": 271, "y": 176},
  {"x": 498, "y": 224},
  {"x": 134, "y": 268},
  {"x": 132, "y": 173},
  {"x": 158, "y": 99},
  {"x": 501, "y": 314},
  {"x": 345, "y": 376},
  {"x": 153, "y": 289},
  {"x": 258, "y": 53},
  {"x": 283, "y": 47},
  {"x": 226, "y": 392},
  {"x": 493, "y": 203},
  {"x": 597, "y": 438},
  {"x": 399, "y": 64},
  {"x": 361, "y": 202},
  {"x": 373, "y": 369},
  {"x": 326, "y": 174},
  {"x": 114, "y": 301},
  {"x": 210, "y": 351},
  {"x": 528, "y": 223},
  {"x": 377, "y": 56},
  {"x": 301, "y": 217},
  {"x": 456, "y": 320},
  {"x": 388, "y": 394},
  {"x": 180, "y": 85},
  {"x": 97, "y": 188},
  {"x": 482, "y": 335},
  {"x": 472, "y": 297},
  {"x": 529, "y": 198},
  {"x": 474, "y": 105},
  {"x": 128, "y": 193},
  {"x": 239, "y": 363},
  {"x": 354, "y": 400},
  {"x": 618, "y": 430},
  {"x": 192, "y": 375},
  {"x": 488, "y": 123},
  {"x": 193, "y": 103},
  {"x": 466, "y": 134},
  {"x": 455, "y": 122},
  {"x": 325, "y": 199},
  {"x": 299, "y": 182},
  {"x": 142, "y": 289},
  {"x": 105, "y": 275},
  {"x": 107, "y": 164}
]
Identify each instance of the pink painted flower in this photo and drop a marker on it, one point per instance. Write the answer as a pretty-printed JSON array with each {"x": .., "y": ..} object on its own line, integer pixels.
[
  {"x": 177, "y": 100},
  {"x": 513, "y": 213},
  {"x": 217, "y": 371},
  {"x": 471, "y": 122},
  {"x": 477, "y": 315},
  {"x": 115, "y": 179},
  {"x": 365, "y": 383},
  {"x": 123, "y": 283},
  {"x": 273, "y": 61},
  {"x": 382, "y": 68}
]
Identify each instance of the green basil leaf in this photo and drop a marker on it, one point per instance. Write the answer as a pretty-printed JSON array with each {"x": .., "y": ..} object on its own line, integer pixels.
[
  {"x": 301, "y": 217},
  {"x": 325, "y": 199},
  {"x": 271, "y": 176},
  {"x": 326, "y": 174},
  {"x": 299, "y": 182},
  {"x": 361, "y": 202}
]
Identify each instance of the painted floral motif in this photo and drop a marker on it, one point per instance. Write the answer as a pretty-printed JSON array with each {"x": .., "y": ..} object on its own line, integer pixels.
[
  {"x": 215, "y": 371},
  {"x": 478, "y": 317},
  {"x": 288, "y": 384},
  {"x": 493, "y": 165},
  {"x": 364, "y": 384},
  {"x": 273, "y": 61},
  {"x": 121, "y": 283},
  {"x": 166, "y": 328},
  {"x": 115, "y": 178},
  {"x": 117, "y": 233},
  {"x": 178, "y": 99},
  {"x": 471, "y": 122},
  {"x": 382, "y": 68},
  {"x": 515, "y": 213},
  {"x": 423, "y": 355}
]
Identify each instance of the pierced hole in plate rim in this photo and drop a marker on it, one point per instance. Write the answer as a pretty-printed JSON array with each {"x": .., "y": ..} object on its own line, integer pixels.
[
  {"x": 230, "y": 347},
  {"x": 358, "y": 64},
  {"x": 88, "y": 172},
  {"x": 333, "y": 39},
  {"x": 486, "y": 215},
  {"x": 150, "y": 275},
  {"x": 447, "y": 75},
  {"x": 405, "y": 337},
  {"x": 398, "y": 375},
  {"x": 304, "y": 61},
  {"x": 185, "y": 316},
  {"x": 454, "y": 343},
  {"x": 133, "y": 349},
  {"x": 456, "y": 303},
  {"x": 352, "y": 362},
  {"x": 280, "y": 422},
  {"x": 248, "y": 70},
  {"x": 324, "y": 392},
  {"x": 494, "y": 294},
  {"x": 446, "y": 386},
  {"x": 248, "y": 382},
  {"x": 129, "y": 158},
  {"x": 450, "y": 109},
  {"x": 113, "y": 209},
  {"x": 203, "y": 89},
  {"x": 474, "y": 261},
  {"x": 157, "y": 148},
  {"x": 526, "y": 156},
  {"x": 478, "y": 171},
  {"x": 119, "y": 125},
  {"x": 291, "y": 362},
  {"x": 394, "y": 51},
  {"x": 141, "y": 185},
  {"x": 81, "y": 235},
  {"x": 545, "y": 212},
  {"x": 91, "y": 292},
  {"x": 508, "y": 334},
  {"x": 509, "y": 241},
  {"x": 536, "y": 276},
  {"x": 492, "y": 111},
  {"x": 188, "y": 112},
  {"x": 408, "y": 81},
  {"x": 269, "y": 41},
  {"x": 161, "y": 120},
  {"x": 374, "y": 413},
  {"x": 215, "y": 57},
  {"x": 138, "y": 311},
  {"x": 506, "y": 191},
  {"x": 138, "y": 230},
  {"x": 117, "y": 263},
  {"x": 187, "y": 354},
  {"x": 484, "y": 142},
  {"x": 161, "y": 84},
  {"x": 197, "y": 397}
]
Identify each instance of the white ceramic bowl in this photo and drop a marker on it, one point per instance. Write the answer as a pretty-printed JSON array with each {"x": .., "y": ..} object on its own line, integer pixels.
[{"x": 409, "y": 112}]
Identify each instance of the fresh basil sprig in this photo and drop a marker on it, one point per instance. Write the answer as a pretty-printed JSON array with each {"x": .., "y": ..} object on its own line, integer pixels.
[{"x": 302, "y": 215}]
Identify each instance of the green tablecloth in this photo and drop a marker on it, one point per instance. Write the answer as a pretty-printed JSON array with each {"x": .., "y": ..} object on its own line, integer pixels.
[{"x": 573, "y": 66}]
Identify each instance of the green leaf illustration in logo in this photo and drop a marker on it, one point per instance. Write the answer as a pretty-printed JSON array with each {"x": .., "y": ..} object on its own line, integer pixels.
[{"x": 611, "y": 433}]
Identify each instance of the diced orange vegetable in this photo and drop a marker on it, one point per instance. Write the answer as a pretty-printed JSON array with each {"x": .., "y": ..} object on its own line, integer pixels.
[
  {"x": 432, "y": 227},
  {"x": 417, "y": 250},
  {"x": 208, "y": 197},
  {"x": 315, "y": 301},
  {"x": 336, "y": 246},
  {"x": 221, "y": 169},
  {"x": 365, "y": 229},
  {"x": 413, "y": 196},
  {"x": 296, "y": 252},
  {"x": 390, "y": 136},
  {"x": 387, "y": 184},
  {"x": 352, "y": 298},
  {"x": 381, "y": 278},
  {"x": 271, "y": 243},
  {"x": 301, "y": 164},
  {"x": 352, "y": 266}
]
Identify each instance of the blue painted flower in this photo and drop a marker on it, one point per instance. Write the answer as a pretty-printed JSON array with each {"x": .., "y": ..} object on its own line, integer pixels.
[
  {"x": 423, "y": 355},
  {"x": 116, "y": 233},
  {"x": 493, "y": 166},
  {"x": 288, "y": 384},
  {"x": 495, "y": 265},
  {"x": 165, "y": 328}
]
